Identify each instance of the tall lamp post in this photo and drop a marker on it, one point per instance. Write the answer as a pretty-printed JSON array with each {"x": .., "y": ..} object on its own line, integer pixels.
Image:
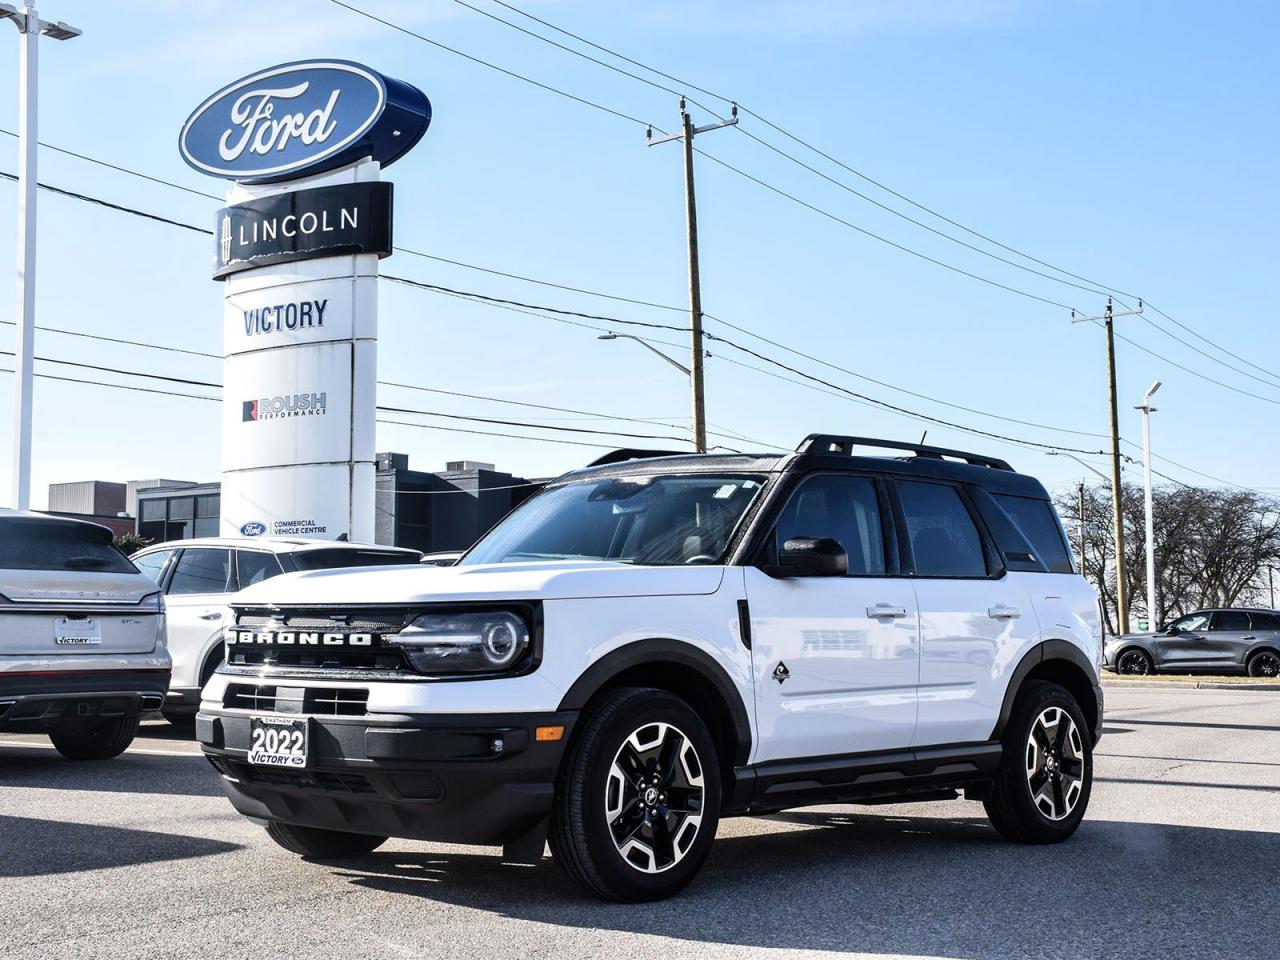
[
  {"x": 1147, "y": 410},
  {"x": 30, "y": 29}
]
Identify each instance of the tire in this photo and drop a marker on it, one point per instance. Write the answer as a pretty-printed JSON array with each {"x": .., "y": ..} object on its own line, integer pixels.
[
  {"x": 100, "y": 740},
  {"x": 1135, "y": 662},
  {"x": 1039, "y": 795},
  {"x": 1264, "y": 663},
  {"x": 322, "y": 844},
  {"x": 615, "y": 826}
]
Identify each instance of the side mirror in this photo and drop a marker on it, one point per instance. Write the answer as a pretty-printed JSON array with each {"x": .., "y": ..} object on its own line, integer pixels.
[
  {"x": 810, "y": 557},
  {"x": 1172, "y": 630}
]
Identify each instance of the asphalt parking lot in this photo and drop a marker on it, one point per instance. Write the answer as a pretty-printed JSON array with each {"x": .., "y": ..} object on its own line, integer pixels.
[{"x": 1179, "y": 856}]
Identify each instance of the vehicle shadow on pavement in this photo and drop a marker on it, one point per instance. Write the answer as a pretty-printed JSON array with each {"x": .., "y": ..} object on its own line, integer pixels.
[
  {"x": 909, "y": 885},
  {"x": 130, "y": 773},
  {"x": 36, "y": 848}
]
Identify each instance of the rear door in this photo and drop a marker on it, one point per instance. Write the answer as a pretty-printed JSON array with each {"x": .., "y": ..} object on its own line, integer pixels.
[
  {"x": 196, "y": 596},
  {"x": 1230, "y": 632},
  {"x": 835, "y": 659},
  {"x": 975, "y": 618}
]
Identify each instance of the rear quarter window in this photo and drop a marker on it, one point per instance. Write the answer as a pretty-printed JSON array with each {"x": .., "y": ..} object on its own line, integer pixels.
[
  {"x": 31, "y": 544},
  {"x": 1039, "y": 524}
]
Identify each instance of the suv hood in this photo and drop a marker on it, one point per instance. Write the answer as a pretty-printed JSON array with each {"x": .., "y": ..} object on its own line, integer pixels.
[
  {"x": 58, "y": 586},
  {"x": 539, "y": 580}
]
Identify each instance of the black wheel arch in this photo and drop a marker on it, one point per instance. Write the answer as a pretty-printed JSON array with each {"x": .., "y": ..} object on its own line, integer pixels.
[
  {"x": 684, "y": 670},
  {"x": 1060, "y": 662}
]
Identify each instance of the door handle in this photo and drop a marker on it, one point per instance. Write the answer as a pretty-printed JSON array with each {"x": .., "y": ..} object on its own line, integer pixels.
[
  {"x": 212, "y": 615},
  {"x": 1248, "y": 638},
  {"x": 1002, "y": 611},
  {"x": 886, "y": 610}
]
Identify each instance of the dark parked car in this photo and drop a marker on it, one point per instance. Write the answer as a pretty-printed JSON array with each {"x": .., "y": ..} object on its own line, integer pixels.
[{"x": 1206, "y": 641}]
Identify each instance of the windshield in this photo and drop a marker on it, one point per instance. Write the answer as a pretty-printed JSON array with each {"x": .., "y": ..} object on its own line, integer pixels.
[{"x": 643, "y": 520}]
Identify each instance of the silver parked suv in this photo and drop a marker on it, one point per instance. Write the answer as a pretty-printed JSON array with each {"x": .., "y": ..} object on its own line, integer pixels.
[{"x": 1206, "y": 641}]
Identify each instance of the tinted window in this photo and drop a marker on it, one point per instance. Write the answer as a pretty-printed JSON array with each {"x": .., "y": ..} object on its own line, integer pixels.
[
  {"x": 944, "y": 540},
  {"x": 843, "y": 508},
  {"x": 339, "y": 557},
  {"x": 153, "y": 563},
  {"x": 255, "y": 566},
  {"x": 27, "y": 543},
  {"x": 1265, "y": 621},
  {"x": 1230, "y": 620},
  {"x": 1039, "y": 524},
  {"x": 203, "y": 570}
]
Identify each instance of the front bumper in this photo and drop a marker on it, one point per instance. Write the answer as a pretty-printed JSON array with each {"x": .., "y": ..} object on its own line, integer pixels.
[
  {"x": 38, "y": 700},
  {"x": 472, "y": 779}
]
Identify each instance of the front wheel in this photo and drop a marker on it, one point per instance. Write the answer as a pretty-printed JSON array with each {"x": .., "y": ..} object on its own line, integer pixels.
[
  {"x": 1135, "y": 663},
  {"x": 638, "y": 799},
  {"x": 1264, "y": 663},
  {"x": 1046, "y": 768},
  {"x": 322, "y": 844},
  {"x": 94, "y": 740}
]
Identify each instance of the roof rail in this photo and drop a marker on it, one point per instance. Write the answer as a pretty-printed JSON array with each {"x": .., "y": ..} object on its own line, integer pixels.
[
  {"x": 834, "y": 443},
  {"x": 627, "y": 453}
]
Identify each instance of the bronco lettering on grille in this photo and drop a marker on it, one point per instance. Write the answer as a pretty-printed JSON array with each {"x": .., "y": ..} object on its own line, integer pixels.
[{"x": 299, "y": 638}]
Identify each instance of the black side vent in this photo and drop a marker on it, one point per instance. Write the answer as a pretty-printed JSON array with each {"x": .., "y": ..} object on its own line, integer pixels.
[{"x": 335, "y": 702}]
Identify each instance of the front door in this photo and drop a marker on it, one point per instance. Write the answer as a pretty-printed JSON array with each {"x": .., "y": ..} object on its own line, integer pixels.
[
  {"x": 1188, "y": 648},
  {"x": 202, "y": 580},
  {"x": 835, "y": 659}
]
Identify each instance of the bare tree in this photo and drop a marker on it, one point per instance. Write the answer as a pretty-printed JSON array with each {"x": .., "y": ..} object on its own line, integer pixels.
[{"x": 1214, "y": 547}]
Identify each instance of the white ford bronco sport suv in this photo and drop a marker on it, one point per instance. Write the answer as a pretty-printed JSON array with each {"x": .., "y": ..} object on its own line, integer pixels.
[{"x": 658, "y": 641}]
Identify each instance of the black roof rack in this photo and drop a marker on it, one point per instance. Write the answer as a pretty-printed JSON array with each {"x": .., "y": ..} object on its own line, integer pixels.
[
  {"x": 833, "y": 443},
  {"x": 627, "y": 453}
]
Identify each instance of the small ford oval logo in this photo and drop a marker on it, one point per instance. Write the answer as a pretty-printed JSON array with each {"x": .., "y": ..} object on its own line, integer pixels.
[
  {"x": 253, "y": 529},
  {"x": 302, "y": 118}
]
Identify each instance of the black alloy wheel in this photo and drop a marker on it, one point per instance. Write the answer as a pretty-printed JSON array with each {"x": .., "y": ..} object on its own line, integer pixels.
[
  {"x": 1264, "y": 663},
  {"x": 1135, "y": 663}
]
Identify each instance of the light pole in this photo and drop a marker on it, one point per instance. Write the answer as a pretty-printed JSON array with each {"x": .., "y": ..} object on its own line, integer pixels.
[
  {"x": 1147, "y": 410},
  {"x": 652, "y": 349},
  {"x": 30, "y": 29}
]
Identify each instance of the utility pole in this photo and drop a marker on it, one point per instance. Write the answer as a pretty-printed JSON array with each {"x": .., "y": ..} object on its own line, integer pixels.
[
  {"x": 687, "y": 132},
  {"x": 1122, "y": 585},
  {"x": 30, "y": 29},
  {"x": 1081, "y": 515}
]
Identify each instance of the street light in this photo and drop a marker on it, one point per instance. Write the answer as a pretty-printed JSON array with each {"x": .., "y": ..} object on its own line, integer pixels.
[
  {"x": 30, "y": 29},
  {"x": 1147, "y": 410},
  {"x": 652, "y": 349}
]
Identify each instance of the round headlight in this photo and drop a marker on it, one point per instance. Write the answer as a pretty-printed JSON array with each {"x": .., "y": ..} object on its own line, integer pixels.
[{"x": 503, "y": 641}]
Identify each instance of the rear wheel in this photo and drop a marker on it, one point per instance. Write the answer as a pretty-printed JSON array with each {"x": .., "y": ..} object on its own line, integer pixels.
[
  {"x": 94, "y": 740},
  {"x": 1264, "y": 663},
  {"x": 1135, "y": 663},
  {"x": 322, "y": 844},
  {"x": 638, "y": 799},
  {"x": 1046, "y": 769}
]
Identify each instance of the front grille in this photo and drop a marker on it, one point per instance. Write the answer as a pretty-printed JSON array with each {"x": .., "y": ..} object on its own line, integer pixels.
[
  {"x": 379, "y": 622},
  {"x": 320, "y": 701},
  {"x": 335, "y": 702}
]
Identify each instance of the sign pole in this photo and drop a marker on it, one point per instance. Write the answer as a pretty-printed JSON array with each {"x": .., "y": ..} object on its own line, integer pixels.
[{"x": 28, "y": 53}]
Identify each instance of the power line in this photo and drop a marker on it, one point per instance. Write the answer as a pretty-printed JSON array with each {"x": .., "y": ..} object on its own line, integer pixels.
[{"x": 112, "y": 206}]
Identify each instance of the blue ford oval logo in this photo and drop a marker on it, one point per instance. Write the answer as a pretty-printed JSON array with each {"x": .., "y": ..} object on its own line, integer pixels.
[
  {"x": 253, "y": 529},
  {"x": 303, "y": 118}
]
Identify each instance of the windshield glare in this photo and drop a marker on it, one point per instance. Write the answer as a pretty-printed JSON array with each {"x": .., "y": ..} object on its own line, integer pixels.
[{"x": 644, "y": 520}]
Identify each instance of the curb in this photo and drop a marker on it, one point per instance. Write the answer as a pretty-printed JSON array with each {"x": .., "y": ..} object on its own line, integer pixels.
[{"x": 1188, "y": 685}]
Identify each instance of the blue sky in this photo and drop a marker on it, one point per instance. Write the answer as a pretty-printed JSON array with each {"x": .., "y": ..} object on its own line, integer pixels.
[{"x": 1132, "y": 148}]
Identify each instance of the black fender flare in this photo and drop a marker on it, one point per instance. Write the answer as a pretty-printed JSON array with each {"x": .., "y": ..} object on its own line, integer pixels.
[
  {"x": 1044, "y": 652},
  {"x": 642, "y": 652}
]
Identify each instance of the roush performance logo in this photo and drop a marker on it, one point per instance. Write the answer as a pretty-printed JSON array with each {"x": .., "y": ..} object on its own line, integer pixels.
[
  {"x": 296, "y": 638},
  {"x": 289, "y": 405}
]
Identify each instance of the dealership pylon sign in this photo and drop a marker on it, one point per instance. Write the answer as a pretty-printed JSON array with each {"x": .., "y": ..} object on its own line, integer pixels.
[{"x": 297, "y": 247}]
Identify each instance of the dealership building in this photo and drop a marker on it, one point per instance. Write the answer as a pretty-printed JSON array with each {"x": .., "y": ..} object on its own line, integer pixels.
[{"x": 426, "y": 511}]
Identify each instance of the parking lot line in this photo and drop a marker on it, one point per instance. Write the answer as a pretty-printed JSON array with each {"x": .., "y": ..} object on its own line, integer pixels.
[{"x": 153, "y": 753}]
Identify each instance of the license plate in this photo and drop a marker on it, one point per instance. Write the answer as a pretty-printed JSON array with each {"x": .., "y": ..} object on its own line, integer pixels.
[
  {"x": 278, "y": 742},
  {"x": 76, "y": 633}
]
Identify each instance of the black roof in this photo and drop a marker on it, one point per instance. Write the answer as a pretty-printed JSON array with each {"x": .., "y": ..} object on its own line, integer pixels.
[{"x": 825, "y": 452}]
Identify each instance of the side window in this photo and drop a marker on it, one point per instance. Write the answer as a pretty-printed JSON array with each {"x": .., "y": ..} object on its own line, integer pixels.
[
  {"x": 203, "y": 570},
  {"x": 844, "y": 508},
  {"x": 1230, "y": 620},
  {"x": 254, "y": 566},
  {"x": 944, "y": 539},
  {"x": 153, "y": 563},
  {"x": 1265, "y": 621},
  {"x": 1039, "y": 524},
  {"x": 1192, "y": 623}
]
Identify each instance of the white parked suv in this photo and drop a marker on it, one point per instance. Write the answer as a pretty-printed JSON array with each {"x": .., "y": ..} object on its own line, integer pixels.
[
  {"x": 199, "y": 577},
  {"x": 658, "y": 641},
  {"x": 82, "y": 652}
]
